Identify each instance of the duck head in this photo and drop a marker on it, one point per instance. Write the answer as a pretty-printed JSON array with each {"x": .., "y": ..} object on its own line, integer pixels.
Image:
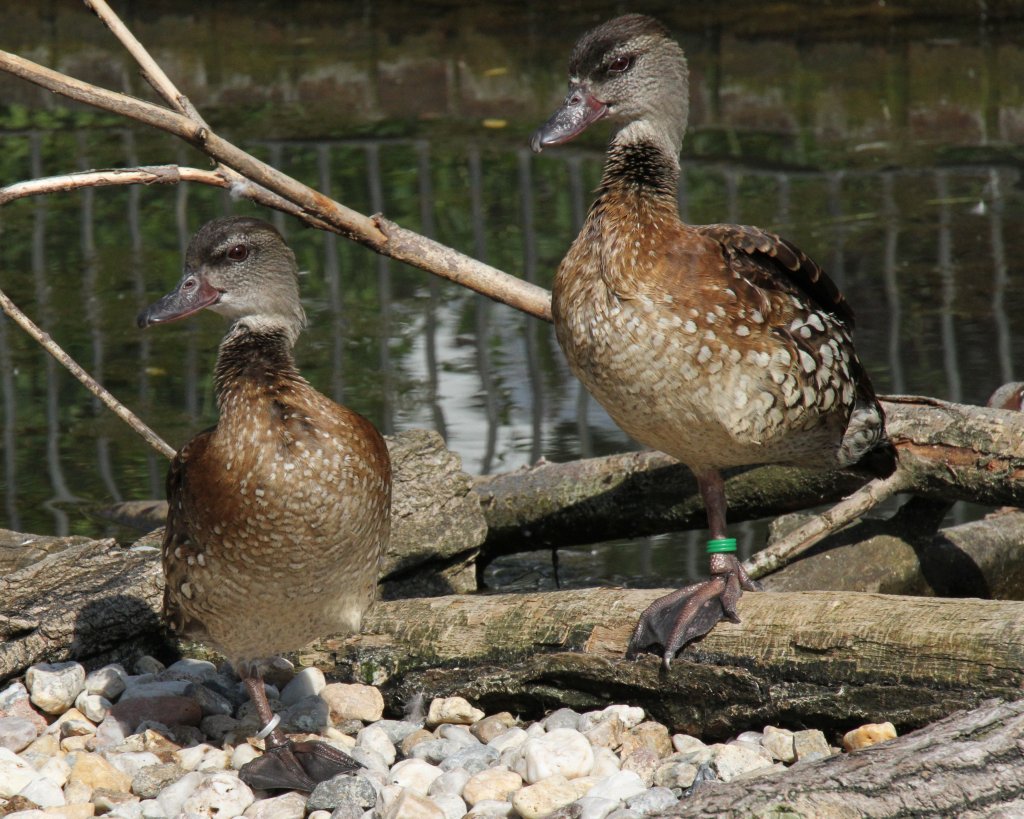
[
  {"x": 628, "y": 71},
  {"x": 239, "y": 267}
]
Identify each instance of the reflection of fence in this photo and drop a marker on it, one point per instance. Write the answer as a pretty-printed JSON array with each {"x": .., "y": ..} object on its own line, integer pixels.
[{"x": 914, "y": 249}]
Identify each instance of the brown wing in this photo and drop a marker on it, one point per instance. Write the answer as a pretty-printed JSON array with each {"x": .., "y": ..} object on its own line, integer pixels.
[{"x": 772, "y": 263}]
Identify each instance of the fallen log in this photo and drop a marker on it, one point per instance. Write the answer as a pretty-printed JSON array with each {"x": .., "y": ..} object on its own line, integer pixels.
[
  {"x": 969, "y": 764},
  {"x": 828, "y": 659},
  {"x": 824, "y": 659},
  {"x": 905, "y": 555},
  {"x": 947, "y": 452}
]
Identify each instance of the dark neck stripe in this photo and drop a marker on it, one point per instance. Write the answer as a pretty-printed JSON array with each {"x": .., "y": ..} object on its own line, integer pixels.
[
  {"x": 640, "y": 166},
  {"x": 260, "y": 357}
]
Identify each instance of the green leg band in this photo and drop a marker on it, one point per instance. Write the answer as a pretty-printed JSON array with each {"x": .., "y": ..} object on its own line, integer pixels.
[{"x": 722, "y": 544}]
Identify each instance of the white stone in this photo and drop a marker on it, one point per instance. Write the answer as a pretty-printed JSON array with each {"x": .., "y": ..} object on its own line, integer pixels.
[
  {"x": 594, "y": 807},
  {"x": 492, "y": 810},
  {"x": 810, "y": 744},
  {"x": 243, "y": 753},
  {"x": 451, "y": 805},
  {"x": 562, "y": 752},
  {"x": 307, "y": 683},
  {"x": 536, "y": 729},
  {"x": 779, "y": 743},
  {"x": 152, "y": 809},
  {"x": 493, "y": 784},
  {"x": 683, "y": 743},
  {"x": 107, "y": 682},
  {"x": 606, "y": 762},
  {"x": 630, "y": 715},
  {"x": 324, "y": 814},
  {"x": 172, "y": 797},
  {"x": 452, "y": 709},
  {"x": 56, "y": 769},
  {"x": 219, "y": 794},
  {"x": 375, "y": 738},
  {"x": 353, "y": 701},
  {"x": 415, "y": 774},
  {"x": 94, "y": 706},
  {"x": 731, "y": 761},
  {"x": 189, "y": 758},
  {"x": 410, "y": 804},
  {"x": 131, "y": 762},
  {"x": 450, "y": 782},
  {"x": 621, "y": 785},
  {"x": 43, "y": 792},
  {"x": 54, "y": 686},
  {"x": 287, "y": 806},
  {"x": 512, "y": 738},
  {"x": 15, "y": 773},
  {"x": 545, "y": 796},
  {"x": 653, "y": 800}
]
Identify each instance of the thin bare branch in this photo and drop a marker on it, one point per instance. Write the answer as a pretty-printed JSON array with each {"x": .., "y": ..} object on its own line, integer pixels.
[
  {"x": 54, "y": 349},
  {"x": 146, "y": 175},
  {"x": 377, "y": 234},
  {"x": 804, "y": 537},
  {"x": 153, "y": 73}
]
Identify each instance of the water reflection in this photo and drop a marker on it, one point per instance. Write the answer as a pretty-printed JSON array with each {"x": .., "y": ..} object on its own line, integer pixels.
[{"x": 923, "y": 241}]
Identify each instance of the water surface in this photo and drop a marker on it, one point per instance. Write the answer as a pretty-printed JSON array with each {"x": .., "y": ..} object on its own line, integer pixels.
[{"x": 883, "y": 139}]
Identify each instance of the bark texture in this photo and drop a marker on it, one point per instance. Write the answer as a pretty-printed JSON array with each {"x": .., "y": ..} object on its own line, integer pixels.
[
  {"x": 967, "y": 765},
  {"x": 824, "y": 659}
]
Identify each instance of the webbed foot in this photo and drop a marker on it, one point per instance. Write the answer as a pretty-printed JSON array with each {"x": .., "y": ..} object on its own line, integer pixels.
[
  {"x": 296, "y": 766},
  {"x": 678, "y": 618}
]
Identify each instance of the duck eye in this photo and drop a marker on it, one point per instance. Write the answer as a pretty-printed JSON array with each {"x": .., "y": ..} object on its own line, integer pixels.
[
  {"x": 238, "y": 253},
  {"x": 620, "y": 64}
]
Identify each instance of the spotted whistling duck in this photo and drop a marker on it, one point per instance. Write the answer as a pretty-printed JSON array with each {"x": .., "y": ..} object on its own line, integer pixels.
[
  {"x": 721, "y": 345},
  {"x": 278, "y": 515},
  {"x": 1010, "y": 396}
]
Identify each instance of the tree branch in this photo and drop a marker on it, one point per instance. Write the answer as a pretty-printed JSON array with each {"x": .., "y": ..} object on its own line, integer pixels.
[
  {"x": 321, "y": 211},
  {"x": 97, "y": 389}
]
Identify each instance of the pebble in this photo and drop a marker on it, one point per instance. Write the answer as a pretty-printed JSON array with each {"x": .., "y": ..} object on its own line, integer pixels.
[
  {"x": 307, "y": 683},
  {"x": 17, "y": 733},
  {"x": 862, "y": 737},
  {"x": 810, "y": 744},
  {"x": 493, "y": 784},
  {"x": 342, "y": 790},
  {"x": 737, "y": 758},
  {"x": 563, "y": 752},
  {"x": 353, "y": 701},
  {"x": 168, "y": 742},
  {"x": 455, "y": 710},
  {"x": 53, "y": 687},
  {"x": 412, "y": 805},
  {"x": 779, "y": 743}
]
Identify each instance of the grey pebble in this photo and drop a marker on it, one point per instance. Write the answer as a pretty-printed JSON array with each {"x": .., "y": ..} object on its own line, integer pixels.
[
  {"x": 397, "y": 729},
  {"x": 652, "y": 800},
  {"x": 344, "y": 789},
  {"x": 562, "y": 718},
  {"x": 211, "y": 702},
  {"x": 149, "y": 781},
  {"x": 473, "y": 759}
]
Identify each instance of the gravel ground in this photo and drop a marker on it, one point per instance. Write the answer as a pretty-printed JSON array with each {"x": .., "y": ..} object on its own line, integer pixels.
[{"x": 168, "y": 742}]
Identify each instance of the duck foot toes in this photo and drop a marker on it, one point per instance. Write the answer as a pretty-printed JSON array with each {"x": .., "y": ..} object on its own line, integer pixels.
[
  {"x": 296, "y": 766},
  {"x": 678, "y": 618}
]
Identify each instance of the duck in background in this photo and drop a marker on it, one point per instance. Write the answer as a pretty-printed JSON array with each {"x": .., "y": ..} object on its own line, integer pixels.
[
  {"x": 721, "y": 345},
  {"x": 279, "y": 514}
]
